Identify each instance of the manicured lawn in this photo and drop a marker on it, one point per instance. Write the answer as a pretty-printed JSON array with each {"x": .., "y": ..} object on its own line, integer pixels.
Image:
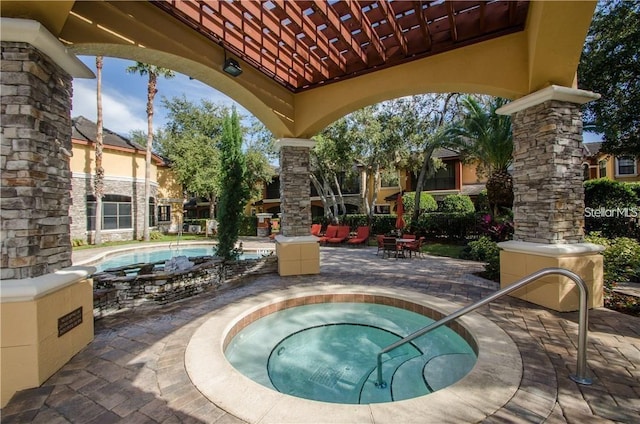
[
  {"x": 441, "y": 249},
  {"x": 163, "y": 238}
]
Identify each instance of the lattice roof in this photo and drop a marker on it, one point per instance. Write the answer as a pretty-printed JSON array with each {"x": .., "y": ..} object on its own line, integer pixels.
[{"x": 304, "y": 44}]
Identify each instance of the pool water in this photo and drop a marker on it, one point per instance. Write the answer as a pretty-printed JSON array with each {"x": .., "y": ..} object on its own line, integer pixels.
[
  {"x": 151, "y": 256},
  {"x": 327, "y": 352}
]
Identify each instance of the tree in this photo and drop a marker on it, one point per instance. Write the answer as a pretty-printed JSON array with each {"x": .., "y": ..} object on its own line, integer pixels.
[
  {"x": 259, "y": 149},
  {"x": 234, "y": 192},
  {"x": 331, "y": 155},
  {"x": 153, "y": 72},
  {"x": 370, "y": 134},
  {"x": 425, "y": 122},
  {"x": 99, "y": 178},
  {"x": 191, "y": 140},
  {"x": 486, "y": 137},
  {"x": 609, "y": 66}
]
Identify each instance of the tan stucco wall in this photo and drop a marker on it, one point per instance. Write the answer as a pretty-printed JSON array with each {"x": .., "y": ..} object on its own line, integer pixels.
[
  {"x": 554, "y": 292},
  {"x": 470, "y": 174},
  {"x": 298, "y": 256},
  {"x": 115, "y": 163},
  {"x": 168, "y": 185},
  {"x": 31, "y": 350}
]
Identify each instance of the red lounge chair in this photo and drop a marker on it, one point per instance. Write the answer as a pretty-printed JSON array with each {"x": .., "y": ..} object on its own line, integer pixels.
[
  {"x": 361, "y": 237},
  {"x": 341, "y": 236},
  {"x": 332, "y": 231},
  {"x": 315, "y": 229}
]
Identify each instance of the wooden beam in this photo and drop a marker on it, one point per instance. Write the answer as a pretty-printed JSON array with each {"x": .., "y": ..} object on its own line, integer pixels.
[
  {"x": 271, "y": 41},
  {"x": 424, "y": 25},
  {"x": 452, "y": 21},
  {"x": 333, "y": 19},
  {"x": 367, "y": 30},
  {"x": 395, "y": 28},
  {"x": 295, "y": 13}
]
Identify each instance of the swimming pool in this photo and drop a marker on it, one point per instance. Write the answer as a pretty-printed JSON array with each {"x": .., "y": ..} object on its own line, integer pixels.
[
  {"x": 490, "y": 384},
  {"x": 164, "y": 253}
]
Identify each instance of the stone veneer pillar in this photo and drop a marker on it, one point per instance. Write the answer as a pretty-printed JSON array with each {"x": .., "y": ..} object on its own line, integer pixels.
[
  {"x": 549, "y": 199},
  {"x": 36, "y": 145},
  {"x": 298, "y": 251},
  {"x": 46, "y": 305}
]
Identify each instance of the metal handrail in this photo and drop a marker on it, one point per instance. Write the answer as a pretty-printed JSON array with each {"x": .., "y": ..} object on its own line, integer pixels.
[
  {"x": 178, "y": 239},
  {"x": 581, "y": 368}
]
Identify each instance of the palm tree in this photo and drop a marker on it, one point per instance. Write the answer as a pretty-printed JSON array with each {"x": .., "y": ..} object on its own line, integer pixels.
[
  {"x": 99, "y": 180},
  {"x": 486, "y": 137},
  {"x": 153, "y": 72}
]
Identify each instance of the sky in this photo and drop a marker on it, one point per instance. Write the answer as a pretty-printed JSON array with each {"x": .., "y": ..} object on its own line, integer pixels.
[{"x": 124, "y": 97}]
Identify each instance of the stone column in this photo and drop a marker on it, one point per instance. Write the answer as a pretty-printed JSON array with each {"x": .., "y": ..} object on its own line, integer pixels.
[
  {"x": 298, "y": 251},
  {"x": 295, "y": 191},
  {"x": 47, "y": 305},
  {"x": 549, "y": 199}
]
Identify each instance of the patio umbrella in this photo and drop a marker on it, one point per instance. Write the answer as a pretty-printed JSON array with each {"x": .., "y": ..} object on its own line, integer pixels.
[{"x": 399, "y": 212}]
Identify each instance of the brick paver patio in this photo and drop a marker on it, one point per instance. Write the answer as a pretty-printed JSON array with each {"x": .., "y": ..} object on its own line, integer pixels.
[{"x": 133, "y": 372}]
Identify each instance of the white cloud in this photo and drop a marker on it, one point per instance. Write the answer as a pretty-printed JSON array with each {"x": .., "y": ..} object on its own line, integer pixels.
[{"x": 117, "y": 108}]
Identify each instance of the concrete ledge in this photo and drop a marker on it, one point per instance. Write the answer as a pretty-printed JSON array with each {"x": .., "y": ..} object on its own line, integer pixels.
[
  {"x": 551, "y": 250},
  {"x": 295, "y": 142},
  {"x": 34, "y": 33},
  {"x": 553, "y": 92},
  {"x": 29, "y": 289},
  {"x": 296, "y": 240}
]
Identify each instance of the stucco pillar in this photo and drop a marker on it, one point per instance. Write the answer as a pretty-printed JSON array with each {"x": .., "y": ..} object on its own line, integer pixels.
[
  {"x": 298, "y": 251},
  {"x": 549, "y": 199},
  {"x": 47, "y": 305}
]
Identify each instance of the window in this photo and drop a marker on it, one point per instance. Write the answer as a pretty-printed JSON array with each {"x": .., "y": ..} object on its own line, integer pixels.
[
  {"x": 349, "y": 182},
  {"x": 602, "y": 168},
  {"x": 626, "y": 165},
  {"x": 164, "y": 213},
  {"x": 444, "y": 179},
  {"x": 273, "y": 189},
  {"x": 116, "y": 212}
]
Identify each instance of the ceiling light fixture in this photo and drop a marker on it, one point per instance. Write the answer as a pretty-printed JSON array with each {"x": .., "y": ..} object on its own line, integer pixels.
[{"x": 231, "y": 66}]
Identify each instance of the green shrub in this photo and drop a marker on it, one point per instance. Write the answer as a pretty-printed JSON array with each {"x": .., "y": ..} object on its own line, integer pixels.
[
  {"x": 621, "y": 258},
  {"x": 383, "y": 224},
  {"x": 247, "y": 225},
  {"x": 427, "y": 202},
  {"x": 456, "y": 226},
  {"x": 609, "y": 193},
  {"x": 482, "y": 202},
  {"x": 457, "y": 203},
  {"x": 355, "y": 220},
  {"x": 615, "y": 197},
  {"x": 76, "y": 242},
  {"x": 486, "y": 250},
  {"x": 155, "y": 235}
]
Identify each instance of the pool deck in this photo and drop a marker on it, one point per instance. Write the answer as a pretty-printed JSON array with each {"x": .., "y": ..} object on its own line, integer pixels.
[{"x": 134, "y": 370}]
